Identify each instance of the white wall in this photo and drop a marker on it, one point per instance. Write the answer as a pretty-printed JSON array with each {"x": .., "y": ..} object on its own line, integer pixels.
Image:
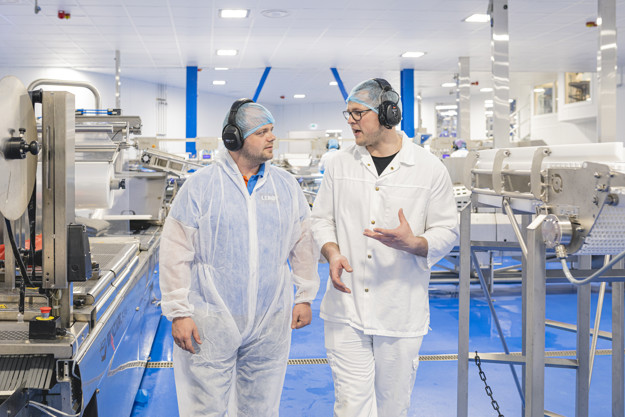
[
  {"x": 570, "y": 125},
  {"x": 295, "y": 116},
  {"x": 138, "y": 98}
]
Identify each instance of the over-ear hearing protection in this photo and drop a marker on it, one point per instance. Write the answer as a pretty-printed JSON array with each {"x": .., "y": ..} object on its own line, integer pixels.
[
  {"x": 231, "y": 134},
  {"x": 389, "y": 114}
]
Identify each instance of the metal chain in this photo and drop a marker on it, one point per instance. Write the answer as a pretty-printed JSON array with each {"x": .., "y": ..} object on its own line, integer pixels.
[{"x": 489, "y": 390}]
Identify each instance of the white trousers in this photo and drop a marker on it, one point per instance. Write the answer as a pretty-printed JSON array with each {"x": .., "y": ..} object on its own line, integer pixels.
[{"x": 373, "y": 375}]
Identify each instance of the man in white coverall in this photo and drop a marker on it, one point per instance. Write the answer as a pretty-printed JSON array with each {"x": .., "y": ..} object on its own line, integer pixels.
[
  {"x": 226, "y": 284},
  {"x": 385, "y": 213}
]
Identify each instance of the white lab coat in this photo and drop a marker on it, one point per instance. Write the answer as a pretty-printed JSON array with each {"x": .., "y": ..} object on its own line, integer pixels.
[
  {"x": 389, "y": 287},
  {"x": 223, "y": 261},
  {"x": 325, "y": 157}
]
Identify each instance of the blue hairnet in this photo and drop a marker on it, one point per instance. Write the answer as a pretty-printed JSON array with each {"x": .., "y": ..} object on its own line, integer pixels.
[
  {"x": 251, "y": 117},
  {"x": 333, "y": 144},
  {"x": 370, "y": 94}
]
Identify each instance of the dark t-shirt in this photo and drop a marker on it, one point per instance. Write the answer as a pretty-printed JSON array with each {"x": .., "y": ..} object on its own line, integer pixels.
[{"x": 381, "y": 162}]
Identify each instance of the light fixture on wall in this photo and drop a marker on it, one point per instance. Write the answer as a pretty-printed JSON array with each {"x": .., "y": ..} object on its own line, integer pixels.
[
  {"x": 219, "y": 82},
  {"x": 333, "y": 83},
  {"x": 299, "y": 95},
  {"x": 448, "y": 85},
  {"x": 446, "y": 107},
  {"x": 486, "y": 90},
  {"x": 221, "y": 69}
]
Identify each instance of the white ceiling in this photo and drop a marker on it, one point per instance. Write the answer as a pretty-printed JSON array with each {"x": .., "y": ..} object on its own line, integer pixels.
[{"x": 157, "y": 39}]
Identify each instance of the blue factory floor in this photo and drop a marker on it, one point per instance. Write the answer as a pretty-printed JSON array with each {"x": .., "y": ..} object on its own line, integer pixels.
[{"x": 308, "y": 389}]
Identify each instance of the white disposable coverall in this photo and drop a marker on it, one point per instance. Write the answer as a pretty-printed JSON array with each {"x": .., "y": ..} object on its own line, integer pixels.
[{"x": 223, "y": 262}]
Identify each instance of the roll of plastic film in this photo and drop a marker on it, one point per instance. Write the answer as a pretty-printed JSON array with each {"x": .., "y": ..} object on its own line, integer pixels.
[{"x": 92, "y": 185}]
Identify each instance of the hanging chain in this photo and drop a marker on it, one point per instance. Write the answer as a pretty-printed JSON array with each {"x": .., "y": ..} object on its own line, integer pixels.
[{"x": 488, "y": 389}]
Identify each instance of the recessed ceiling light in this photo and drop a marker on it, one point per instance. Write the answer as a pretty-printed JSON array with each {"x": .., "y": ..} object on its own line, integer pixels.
[
  {"x": 486, "y": 90},
  {"x": 448, "y": 85},
  {"x": 299, "y": 95},
  {"x": 227, "y": 52},
  {"x": 275, "y": 13},
  {"x": 233, "y": 13},
  {"x": 221, "y": 69},
  {"x": 478, "y": 18},
  {"x": 219, "y": 82},
  {"x": 413, "y": 54},
  {"x": 333, "y": 83}
]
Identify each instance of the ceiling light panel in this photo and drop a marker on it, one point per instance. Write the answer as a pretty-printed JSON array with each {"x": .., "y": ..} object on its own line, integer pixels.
[
  {"x": 412, "y": 54},
  {"x": 234, "y": 13}
]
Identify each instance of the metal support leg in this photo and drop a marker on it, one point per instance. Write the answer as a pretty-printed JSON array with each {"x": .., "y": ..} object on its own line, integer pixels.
[
  {"x": 534, "y": 345},
  {"x": 618, "y": 345},
  {"x": 525, "y": 222},
  {"x": 583, "y": 351},
  {"x": 464, "y": 301}
]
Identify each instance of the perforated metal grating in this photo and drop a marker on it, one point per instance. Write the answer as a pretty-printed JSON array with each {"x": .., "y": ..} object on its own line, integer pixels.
[
  {"x": 423, "y": 358},
  {"x": 18, "y": 335},
  {"x": 607, "y": 236}
]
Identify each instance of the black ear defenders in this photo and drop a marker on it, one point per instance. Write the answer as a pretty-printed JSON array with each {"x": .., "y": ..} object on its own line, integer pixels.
[
  {"x": 389, "y": 114},
  {"x": 231, "y": 134}
]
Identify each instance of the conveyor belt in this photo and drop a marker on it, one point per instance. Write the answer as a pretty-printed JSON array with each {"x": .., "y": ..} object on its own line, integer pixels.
[{"x": 34, "y": 371}]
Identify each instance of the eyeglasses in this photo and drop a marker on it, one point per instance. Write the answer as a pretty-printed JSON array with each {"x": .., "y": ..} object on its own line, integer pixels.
[{"x": 356, "y": 114}]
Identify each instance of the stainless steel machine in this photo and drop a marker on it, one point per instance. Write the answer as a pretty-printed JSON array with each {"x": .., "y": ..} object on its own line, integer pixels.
[
  {"x": 570, "y": 198},
  {"x": 78, "y": 282}
]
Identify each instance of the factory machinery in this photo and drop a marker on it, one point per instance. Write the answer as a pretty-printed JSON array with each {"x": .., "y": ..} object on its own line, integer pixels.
[
  {"x": 81, "y": 224},
  {"x": 571, "y": 200}
]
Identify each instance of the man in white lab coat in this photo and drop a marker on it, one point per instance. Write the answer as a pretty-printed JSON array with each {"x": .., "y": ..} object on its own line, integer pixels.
[
  {"x": 384, "y": 214},
  {"x": 225, "y": 281}
]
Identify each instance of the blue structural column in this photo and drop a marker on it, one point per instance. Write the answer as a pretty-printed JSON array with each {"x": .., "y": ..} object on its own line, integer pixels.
[
  {"x": 407, "y": 102},
  {"x": 191, "y": 109},
  {"x": 339, "y": 82},
  {"x": 261, "y": 83}
]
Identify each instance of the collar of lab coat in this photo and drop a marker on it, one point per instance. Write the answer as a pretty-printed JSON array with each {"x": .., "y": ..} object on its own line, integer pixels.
[{"x": 407, "y": 154}]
